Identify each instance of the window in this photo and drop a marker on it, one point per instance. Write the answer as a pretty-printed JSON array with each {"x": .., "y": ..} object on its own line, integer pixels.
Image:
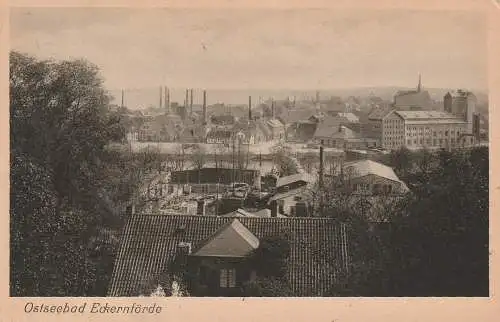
[
  {"x": 227, "y": 278},
  {"x": 434, "y": 133},
  {"x": 446, "y": 133}
]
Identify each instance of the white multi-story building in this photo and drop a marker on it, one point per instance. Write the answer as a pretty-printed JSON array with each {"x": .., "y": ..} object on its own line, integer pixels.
[
  {"x": 455, "y": 127},
  {"x": 418, "y": 129}
]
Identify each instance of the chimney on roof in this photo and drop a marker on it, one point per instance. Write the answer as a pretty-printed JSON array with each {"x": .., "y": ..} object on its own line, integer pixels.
[
  {"x": 274, "y": 208},
  {"x": 250, "y": 108},
  {"x": 204, "y": 106}
]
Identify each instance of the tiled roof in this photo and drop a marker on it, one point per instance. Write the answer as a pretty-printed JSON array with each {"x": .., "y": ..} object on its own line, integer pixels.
[
  {"x": 413, "y": 98},
  {"x": 290, "y": 116},
  {"x": 329, "y": 126},
  {"x": 318, "y": 249}
]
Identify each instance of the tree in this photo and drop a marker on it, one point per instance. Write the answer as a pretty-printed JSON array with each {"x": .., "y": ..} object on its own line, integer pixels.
[
  {"x": 443, "y": 241},
  {"x": 271, "y": 259},
  {"x": 59, "y": 127},
  {"x": 400, "y": 160},
  {"x": 282, "y": 159}
]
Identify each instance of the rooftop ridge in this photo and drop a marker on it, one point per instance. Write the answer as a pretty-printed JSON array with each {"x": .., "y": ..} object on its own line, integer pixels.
[{"x": 222, "y": 217}]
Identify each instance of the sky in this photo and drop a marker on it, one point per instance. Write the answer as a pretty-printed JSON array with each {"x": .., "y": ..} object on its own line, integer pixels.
[{"x": 251, "y": 49}]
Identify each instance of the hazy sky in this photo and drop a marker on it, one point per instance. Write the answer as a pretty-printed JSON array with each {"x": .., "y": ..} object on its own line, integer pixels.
[{"x": 293, "y": 49}]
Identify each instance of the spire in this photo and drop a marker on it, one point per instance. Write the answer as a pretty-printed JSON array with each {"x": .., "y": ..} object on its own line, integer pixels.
[{"x": 419, "y": 88}]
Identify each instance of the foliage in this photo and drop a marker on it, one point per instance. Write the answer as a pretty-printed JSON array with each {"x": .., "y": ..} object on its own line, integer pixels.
[
  {"x": 267, "y": 287},
  {"x": 443, "y": 242},
  {"x": 282, "y": 159},
  {"x": 60, "y": 124},
  {"x": 271, "y": 259},
  {"x": 438, "y": 234}
]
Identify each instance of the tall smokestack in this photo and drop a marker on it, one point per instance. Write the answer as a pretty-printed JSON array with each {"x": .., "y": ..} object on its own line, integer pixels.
[
  {"x": 122, "y": 97},
  {"x": 161, "y": 97},
  {"x": 167, "y": 99},
  {"x": 186, "y": 100},
  {"x": 321, "y": 165},
  {"x": 250, "y": 108},
  {"x": 272, "y": 108},
  {"x": 204, "y": 106},
  {"x": 191, "y": 101}
]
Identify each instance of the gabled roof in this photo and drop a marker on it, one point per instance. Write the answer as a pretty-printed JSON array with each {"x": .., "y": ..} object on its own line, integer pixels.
[
  {"x": 274, "y": 123},
  {"x": 378, "y": 113},
  {"x": 319, "y": 251},
  {"x": 362, "y": 168},
  {"x": 302, "y": 192},
  {"x": 290, "y": 116},
  {"x": 349, "y": 116},
  {"x": 283, "y": 181},
  {"x": 220, "y": 133},
  {"x": 243, "y": 213},
  {"x": 330, "y": 126},
  {"x": 232, "y": 240}
]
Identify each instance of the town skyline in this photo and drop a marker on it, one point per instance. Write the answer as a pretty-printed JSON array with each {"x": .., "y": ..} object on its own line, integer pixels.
[{"x": 272, "y": 49}]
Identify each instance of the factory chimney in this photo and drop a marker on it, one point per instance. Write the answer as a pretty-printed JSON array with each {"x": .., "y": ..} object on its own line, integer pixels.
[
  {"x": 204, "y": 107},
  {"x": 160, "y": 106},
  {"x": 167, "y": 100},
  {"x": 249, "y": 108},
  {"x": 122, "y": 98},
  {"x": 272, "y": 108},
  {"x": 191, "y": 100}
]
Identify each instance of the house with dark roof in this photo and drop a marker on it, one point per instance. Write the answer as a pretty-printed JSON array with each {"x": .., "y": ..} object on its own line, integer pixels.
[
  {"x": 409, "y": 100},
  {"x": 212, "y": 256},
  {"x": 220, "y": 135}
]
